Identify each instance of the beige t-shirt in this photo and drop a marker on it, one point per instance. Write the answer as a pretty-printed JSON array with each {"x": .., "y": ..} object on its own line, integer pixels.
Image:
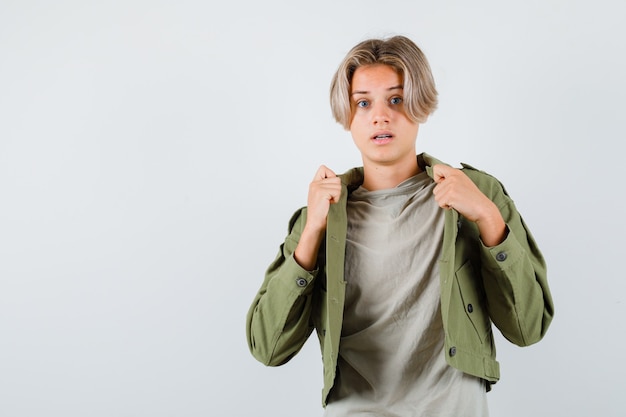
[{"x": 391, "y": 359}]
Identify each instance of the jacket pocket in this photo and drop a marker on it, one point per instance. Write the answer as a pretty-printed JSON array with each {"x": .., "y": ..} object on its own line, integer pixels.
[{"x": 473, "y": 298}]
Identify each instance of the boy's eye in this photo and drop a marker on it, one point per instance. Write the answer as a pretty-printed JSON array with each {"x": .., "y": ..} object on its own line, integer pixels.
[
  {"x": 362, "y": 103},
  {"x": 396, "y": 100}
]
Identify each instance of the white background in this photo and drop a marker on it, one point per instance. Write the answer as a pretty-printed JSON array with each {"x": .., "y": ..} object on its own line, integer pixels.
[{"x": 151, "y": 153}]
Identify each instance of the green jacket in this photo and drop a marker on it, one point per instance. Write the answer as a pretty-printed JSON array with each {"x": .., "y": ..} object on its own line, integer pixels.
[{"x": 505, "y": 284}]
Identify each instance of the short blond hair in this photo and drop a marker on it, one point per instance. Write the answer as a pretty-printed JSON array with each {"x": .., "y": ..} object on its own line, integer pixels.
[{"x": 403, "y": 55}]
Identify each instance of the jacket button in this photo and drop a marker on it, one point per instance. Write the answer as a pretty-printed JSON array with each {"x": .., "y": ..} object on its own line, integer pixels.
[
  {"x": 301, "y": 282},
  {"x": 470, "y": 308},
  {"x": 501, "y": 256},
  {"x": 452, "y": 351}
]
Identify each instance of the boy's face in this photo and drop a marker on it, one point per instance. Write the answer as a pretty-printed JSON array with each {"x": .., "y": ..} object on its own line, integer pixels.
[{"x": 380, "y": 127}]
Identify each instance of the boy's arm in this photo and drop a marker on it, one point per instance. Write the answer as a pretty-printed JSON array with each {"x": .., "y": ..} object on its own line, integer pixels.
[
  {"x": 515, "y": 282},
  {"x": 278, "y": 321},
  {"x": 514, "y": 272}
]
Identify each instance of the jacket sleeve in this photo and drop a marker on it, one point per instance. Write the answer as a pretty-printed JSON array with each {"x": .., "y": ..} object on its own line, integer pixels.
[
  {"x": 278, "y": 321},
  {"x": 515, "y": 277}
]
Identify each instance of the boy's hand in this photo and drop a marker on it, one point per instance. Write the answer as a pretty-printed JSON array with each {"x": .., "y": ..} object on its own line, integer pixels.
[
  {"x": 324, "y": 190},
  {"x": 456, "y": 190}
]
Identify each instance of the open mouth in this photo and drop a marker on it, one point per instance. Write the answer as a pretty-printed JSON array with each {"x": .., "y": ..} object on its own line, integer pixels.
[{"x": 382, "y": 138}]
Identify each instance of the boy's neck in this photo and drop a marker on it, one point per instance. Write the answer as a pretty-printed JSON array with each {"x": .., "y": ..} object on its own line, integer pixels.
[{"x": 382, "y": 177}]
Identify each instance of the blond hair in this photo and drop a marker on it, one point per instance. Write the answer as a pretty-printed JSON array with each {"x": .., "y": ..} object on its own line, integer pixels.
[{"x": 403, "y": 55}]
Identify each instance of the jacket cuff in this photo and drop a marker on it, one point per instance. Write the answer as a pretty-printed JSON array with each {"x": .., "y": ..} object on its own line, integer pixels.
[
  {"x": 295, "y": 278},
  {"x": 504, "y": 255}
]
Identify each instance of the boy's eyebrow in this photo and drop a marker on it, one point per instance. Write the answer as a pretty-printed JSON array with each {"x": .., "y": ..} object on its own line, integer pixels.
[{"x": 395, "y": 87}]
